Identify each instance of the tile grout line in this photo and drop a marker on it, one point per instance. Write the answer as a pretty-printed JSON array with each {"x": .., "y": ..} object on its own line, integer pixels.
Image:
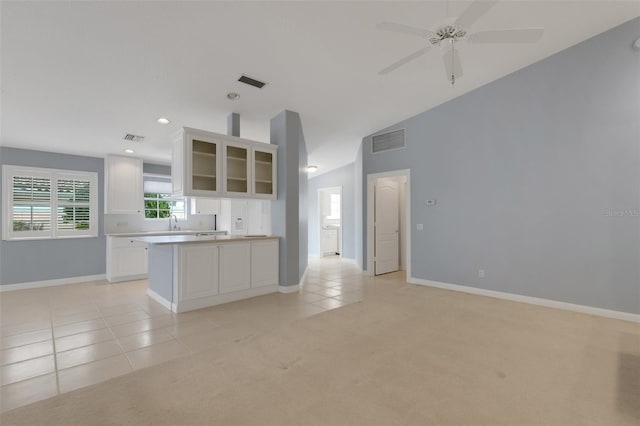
[
  {"x": 53, "y": 347},
  {"x": 117, "y": 339}
]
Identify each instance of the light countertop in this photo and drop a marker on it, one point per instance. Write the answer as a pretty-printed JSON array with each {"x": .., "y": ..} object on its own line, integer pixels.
[
  {"x": 157, "y": 233},
  {"x": 189, "y": 239}
]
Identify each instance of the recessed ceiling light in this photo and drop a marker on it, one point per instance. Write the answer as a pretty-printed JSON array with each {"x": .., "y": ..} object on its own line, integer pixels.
[
  {"x": 129, "y": 151},
  {"x": 163, "y": 120},
  {"x": 233, "y": 96},
  {"x": 312, "y": 169}
]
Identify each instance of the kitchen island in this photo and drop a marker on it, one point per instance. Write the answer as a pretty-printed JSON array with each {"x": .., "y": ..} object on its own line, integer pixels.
[{"x": 188, "y": 272}]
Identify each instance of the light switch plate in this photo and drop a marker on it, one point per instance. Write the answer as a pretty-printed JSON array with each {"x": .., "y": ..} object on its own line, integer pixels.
[
  {"x": 431, "y": 202},
  {"x": 420, "y": 227}
]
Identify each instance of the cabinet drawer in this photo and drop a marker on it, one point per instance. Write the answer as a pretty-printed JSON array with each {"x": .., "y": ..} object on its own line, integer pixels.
[{"x": 118, "y": 242}]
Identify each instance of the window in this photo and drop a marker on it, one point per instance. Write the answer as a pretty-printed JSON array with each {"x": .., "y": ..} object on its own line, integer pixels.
[
  {"x": 159, "y": 206},
  {"x": 49, "y": 203},
  {"x": 158, "y": 202}
]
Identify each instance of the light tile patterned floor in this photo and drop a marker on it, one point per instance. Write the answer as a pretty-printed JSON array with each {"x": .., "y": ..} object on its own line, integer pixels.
[{"x": 58, "y": 339}]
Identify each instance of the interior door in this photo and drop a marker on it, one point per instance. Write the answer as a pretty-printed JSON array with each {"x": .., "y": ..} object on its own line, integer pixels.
[{"x": 387, "y": 226}]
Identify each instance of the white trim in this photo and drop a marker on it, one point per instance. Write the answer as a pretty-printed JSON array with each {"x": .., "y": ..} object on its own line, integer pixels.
[
  {"x": 347, "y": 260},
  {"x": 218, "y": 299},
  {"x": 313, "y": 256},
  {"x": 51, "y": 283},
  {"x": 128, "y": 278},
  {"x": 607, "y": 313},
  {"x": 371, "y": 178},
  {"x": 54, "y": 176},
  {"x": 289, "y": 288},
  {"x": 161, "y": 300}
]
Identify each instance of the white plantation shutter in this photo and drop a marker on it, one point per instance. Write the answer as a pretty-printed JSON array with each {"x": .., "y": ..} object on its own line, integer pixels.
[
  {"x": 49, "y": 203},
  {"x": 74, "y": 205}
]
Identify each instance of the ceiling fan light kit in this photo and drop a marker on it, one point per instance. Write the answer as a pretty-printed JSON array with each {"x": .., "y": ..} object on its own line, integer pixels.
[{"x": 448, "y": 35}]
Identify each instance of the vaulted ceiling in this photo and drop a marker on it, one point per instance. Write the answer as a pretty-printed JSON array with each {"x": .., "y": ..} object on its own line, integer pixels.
[{"x": 77, "y": 76}]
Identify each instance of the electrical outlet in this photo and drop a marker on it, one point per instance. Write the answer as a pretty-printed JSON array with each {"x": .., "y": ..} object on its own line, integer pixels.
[
  {"x": 431, "y": 202},
  {"x": 480, "y": 273},
  {"x": 420, "y": 227}
]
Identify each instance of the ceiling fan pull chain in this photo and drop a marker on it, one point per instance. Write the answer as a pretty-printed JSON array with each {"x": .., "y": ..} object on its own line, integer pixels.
[{"x": 453, "y": 69}]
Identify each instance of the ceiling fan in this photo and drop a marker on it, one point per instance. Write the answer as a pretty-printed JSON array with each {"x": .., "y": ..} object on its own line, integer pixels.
[{"x": 447, "y": 35}]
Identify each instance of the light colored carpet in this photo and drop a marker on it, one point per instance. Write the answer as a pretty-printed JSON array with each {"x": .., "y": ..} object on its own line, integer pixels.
[{"x": 406, "y": 355}]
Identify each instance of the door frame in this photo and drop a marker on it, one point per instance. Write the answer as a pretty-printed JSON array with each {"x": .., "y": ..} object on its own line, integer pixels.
[
  {"x": 340, "y": 242},
  {"x": 371, "y": 178}
]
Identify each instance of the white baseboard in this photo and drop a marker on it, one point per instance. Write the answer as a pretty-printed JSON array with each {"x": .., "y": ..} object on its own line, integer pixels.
[
  {"x": 205, "y": 302},
  {"x": 161, "y": 300},
  {"x": 347, "y": 260},
  {"x": 289, "y": 288},
  {"x": 313, "y": 256},
  {"x": 127, "y": 278},
  {"x": 51, "y": 283},
  {"x": 607, "y": 313}
]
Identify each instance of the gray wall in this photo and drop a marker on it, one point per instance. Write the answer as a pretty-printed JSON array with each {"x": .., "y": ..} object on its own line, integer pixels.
[
  {"x": 156, "y": 169},
  {"x": 343, "y": 177},
  {"x": 303, "y": 198},
  {"x": 536, "y": 177},
  {"x": 56, "y": 258},
  {"x": 359, "y": 209},
  {"x": 289, "y": 211}
]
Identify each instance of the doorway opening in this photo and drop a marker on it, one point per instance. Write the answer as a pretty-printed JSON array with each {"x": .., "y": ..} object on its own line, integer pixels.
[
  {"x": 388, "y": 222},
  {"x": 330, "y": 221}
]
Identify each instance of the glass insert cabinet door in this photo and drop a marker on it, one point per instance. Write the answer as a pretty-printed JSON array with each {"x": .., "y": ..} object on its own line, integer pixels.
[
  {"x": 204, "y": 165},
  {"x": 237, "y": 167},
  {"x": 263, "y": 173}
]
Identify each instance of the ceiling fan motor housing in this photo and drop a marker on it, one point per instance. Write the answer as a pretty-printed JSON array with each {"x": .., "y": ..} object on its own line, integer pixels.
[{"x": 448, "y": 32}]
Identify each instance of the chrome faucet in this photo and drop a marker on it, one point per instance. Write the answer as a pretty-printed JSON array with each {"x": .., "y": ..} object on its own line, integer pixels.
[{"x": 173, "y": 227}]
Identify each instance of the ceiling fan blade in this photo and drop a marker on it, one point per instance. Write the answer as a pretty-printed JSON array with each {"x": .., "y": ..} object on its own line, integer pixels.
[
  {"x": 452, "y": 65},
  {"x": 404, "y": 60},
  {"x": 520, "y": 35},
  {"x": 404, "y": 29},
  {"x": 472, "y": 13}
]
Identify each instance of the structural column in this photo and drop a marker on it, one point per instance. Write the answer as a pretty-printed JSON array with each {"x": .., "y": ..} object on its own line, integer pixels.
[{"x": 289, "y": 211}]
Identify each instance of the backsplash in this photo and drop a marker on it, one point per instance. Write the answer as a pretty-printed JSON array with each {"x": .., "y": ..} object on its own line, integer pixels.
[
  {"x": 118, "y": 223},
  {"x": 238, "y": 217}
]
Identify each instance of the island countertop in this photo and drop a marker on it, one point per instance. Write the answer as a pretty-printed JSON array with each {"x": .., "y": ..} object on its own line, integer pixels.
[{"x": 189, "y": 239}]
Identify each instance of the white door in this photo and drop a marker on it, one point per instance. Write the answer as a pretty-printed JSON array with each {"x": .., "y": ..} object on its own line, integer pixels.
[
  {"x": 387, "y": 225},
  {"x": 235, "y": 267},
  {"x": 264, "y": 263},
  {"x": 198, "y": 271}
]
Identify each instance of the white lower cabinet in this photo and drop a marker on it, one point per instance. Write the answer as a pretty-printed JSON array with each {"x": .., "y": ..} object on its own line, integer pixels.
[
  {"x": 127, "y": 259},
  {"x": 208, "y": 274},
  {"x": 264, "y": 263},
  {"x": 198, "y": 271},
  {"x": 235, "y": 267}
]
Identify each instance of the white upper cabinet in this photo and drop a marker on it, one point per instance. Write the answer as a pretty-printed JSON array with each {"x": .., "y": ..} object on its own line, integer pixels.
[
  {"x": 264, "y": 171},
  {"x": 196, "y": 164},
  {"x": 237, "y": 162},
  {"x": 205, "y": 206},
  {"x": 123, "y": 185},
  {"x": 207, "y": 164}
]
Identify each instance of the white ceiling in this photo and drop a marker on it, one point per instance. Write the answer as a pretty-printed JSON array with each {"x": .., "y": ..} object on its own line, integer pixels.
[{"x": 77, "y": 76}]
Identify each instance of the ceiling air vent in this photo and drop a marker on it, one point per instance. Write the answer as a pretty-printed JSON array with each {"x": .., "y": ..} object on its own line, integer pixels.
[
  {"x": 388, "y": 141},
  {"x": 133, "y": 138},
  {"x": 251, "y": 81}
]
